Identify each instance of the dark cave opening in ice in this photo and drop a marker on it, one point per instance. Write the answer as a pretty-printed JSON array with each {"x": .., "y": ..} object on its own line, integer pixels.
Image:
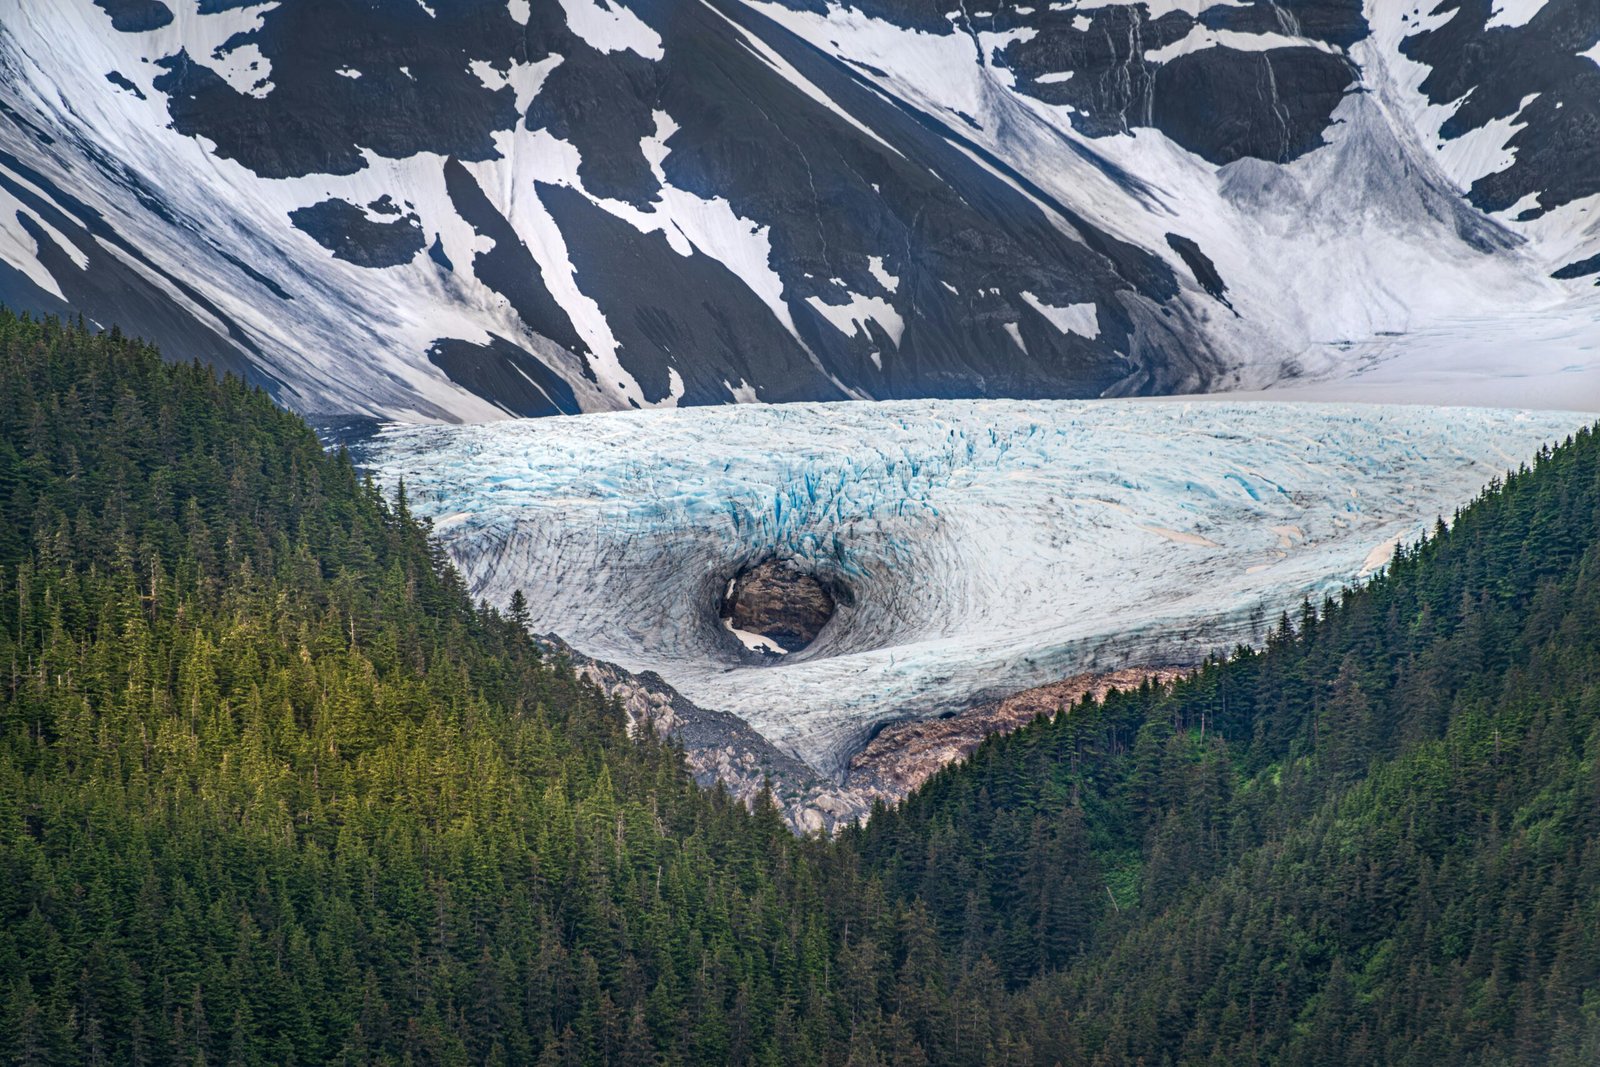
[{"x": 775, "y": 608}]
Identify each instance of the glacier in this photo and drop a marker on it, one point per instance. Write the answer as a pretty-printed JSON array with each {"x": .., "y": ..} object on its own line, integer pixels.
[{"x": 986, "y": 546}]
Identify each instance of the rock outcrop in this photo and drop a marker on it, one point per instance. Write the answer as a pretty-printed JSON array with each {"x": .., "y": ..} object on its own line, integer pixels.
[
  {"x": 778, "y": 602},
  {"x": 905, "y": 755}
]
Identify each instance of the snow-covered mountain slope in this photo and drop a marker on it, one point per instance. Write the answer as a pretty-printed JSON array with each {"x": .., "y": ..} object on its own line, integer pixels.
[
  {"x": 460, "y": 209},
  {"x": 977, "y": 547}
]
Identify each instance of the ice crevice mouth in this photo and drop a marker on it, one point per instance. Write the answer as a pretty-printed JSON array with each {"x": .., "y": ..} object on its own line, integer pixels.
[
  {"x": 776, "y": 608},
  {"x": 908, "y": 559}
]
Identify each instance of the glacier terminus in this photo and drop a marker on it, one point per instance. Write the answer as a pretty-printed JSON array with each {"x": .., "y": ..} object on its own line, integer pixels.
[{"x": 979, "y": 547}]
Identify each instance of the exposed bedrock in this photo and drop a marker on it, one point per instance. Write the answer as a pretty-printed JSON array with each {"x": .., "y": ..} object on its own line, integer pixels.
[{"x": 778, "y": 601}]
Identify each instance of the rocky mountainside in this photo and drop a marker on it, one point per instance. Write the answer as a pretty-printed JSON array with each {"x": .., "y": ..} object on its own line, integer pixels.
[{"x": 462, "y": 209}]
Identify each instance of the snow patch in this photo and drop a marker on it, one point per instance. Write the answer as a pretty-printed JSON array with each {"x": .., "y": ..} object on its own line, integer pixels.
[
  {"x": 1155, "y": 8},
  {"x": 245, "y": 69},
  {"x": 1484, "y": 150},
  {"x": 754, "y": 642},
  {"x": 675, "y": 388},
  {"x": 525, "y": 79},
  {"x": 743, "y": 393},
  {"x": 1081, "y": 319},
  {"x": 1526, "y": 202},
  {"x": 19, "y": 248},
  {"x": 884, "y": 278},
  {"x": 612, "y": 28},
  {"x": 990, "y": 46},
  {"x": 848, "y": 318},
  {"x": 1201, "y": 37},
  {"x": 1513, "y": 13}
]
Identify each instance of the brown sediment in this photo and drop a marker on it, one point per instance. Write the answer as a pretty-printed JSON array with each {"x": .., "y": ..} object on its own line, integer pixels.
[{"x": 906, "y": 754}]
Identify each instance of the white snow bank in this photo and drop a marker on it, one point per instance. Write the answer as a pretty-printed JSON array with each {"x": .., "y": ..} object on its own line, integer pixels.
[
  {"x": 1081, "y": 319},
  {"x": 1513, "y": 13},
  {"x": 610, "y": 28}
]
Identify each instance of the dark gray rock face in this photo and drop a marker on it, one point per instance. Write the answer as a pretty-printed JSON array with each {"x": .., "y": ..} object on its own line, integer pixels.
[
  {"x": 415, "y": 93},
  {"x": 1222, "y": 103},
  {"x": 1535, "y": 72},
  {"x": 504, "y": 370},
  {"x": 136, "y": 16},
  {"x": 351, "y": 234}
]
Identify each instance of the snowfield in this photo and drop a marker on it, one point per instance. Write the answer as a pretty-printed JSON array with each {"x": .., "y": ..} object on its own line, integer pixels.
[{"x": 988, "y": 546}]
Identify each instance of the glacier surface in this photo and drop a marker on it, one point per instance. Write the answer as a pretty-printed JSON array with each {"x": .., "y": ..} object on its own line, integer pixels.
[{"x": 987, "y": 546}]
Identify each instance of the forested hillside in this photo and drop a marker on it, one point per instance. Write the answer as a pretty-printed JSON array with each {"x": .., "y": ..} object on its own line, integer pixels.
[
  {"x": 272, "y": 791},
  {"x": 1375, "y": 841}
]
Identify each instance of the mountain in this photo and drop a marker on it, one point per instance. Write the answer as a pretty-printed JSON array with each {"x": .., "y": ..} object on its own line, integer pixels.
[
  {"x": 463, "y": 209},
  {"x": 273, "y": 791}
]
